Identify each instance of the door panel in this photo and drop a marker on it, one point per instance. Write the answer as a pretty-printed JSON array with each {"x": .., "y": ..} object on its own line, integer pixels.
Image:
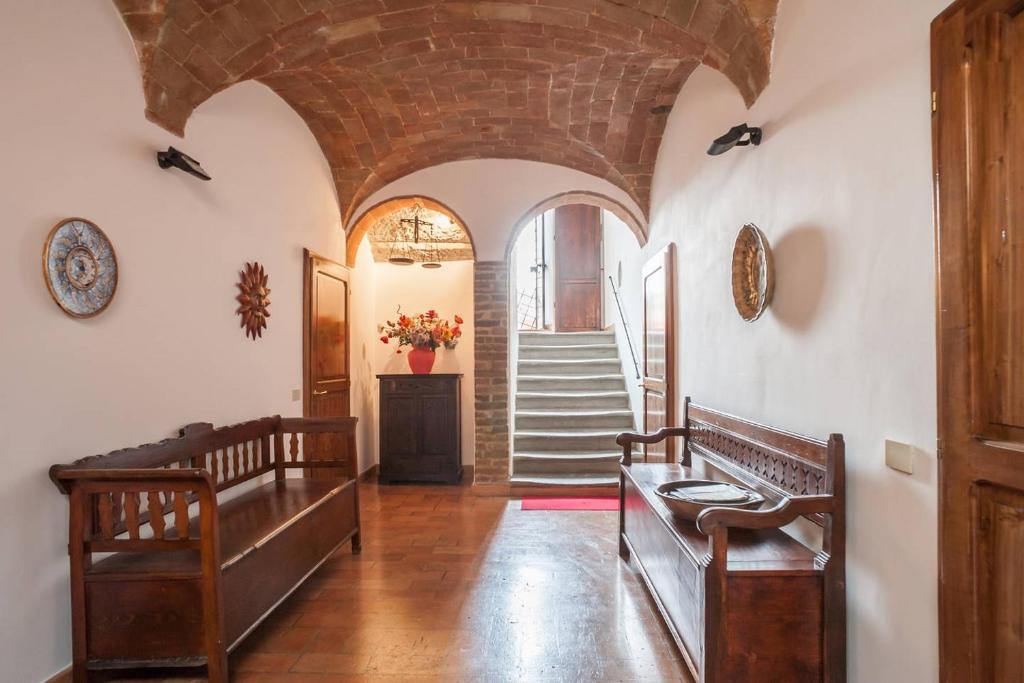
[
  {"x": 577, "y": 268},
  {"x": 659, "y": 350},
  {"x": 1001, "y": 547},
  {"x": 325, "y": 354},
  {"x": 978, "y": 78}
]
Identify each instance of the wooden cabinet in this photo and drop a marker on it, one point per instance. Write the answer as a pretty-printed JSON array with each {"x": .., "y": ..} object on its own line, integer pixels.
[{"x": 420, "y": 428}]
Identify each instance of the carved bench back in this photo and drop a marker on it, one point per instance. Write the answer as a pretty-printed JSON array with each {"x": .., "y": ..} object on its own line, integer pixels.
[
  {"x": 785, "y": 464},
  {"x": 231, "y": 455}
]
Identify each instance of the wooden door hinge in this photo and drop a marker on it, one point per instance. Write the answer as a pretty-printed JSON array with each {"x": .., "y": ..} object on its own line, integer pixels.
[{"x": 935, "y": 101}]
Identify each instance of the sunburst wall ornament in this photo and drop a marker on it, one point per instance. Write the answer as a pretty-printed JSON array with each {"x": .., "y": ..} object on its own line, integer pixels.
[{"x": 254, "y": 299}]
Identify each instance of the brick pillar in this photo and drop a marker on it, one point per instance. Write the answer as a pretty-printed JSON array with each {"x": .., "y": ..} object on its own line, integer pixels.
[{"x": 490, "y": 298}]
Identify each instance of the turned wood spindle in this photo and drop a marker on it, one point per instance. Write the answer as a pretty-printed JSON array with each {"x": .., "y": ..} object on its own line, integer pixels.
[{"x": 156, "y": 513}]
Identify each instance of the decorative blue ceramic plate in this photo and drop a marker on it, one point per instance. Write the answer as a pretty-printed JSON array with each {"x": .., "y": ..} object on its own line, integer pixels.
[{"x": 80, "y": 267}]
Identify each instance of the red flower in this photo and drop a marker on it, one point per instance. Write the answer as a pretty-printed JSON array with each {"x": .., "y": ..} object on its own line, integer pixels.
[
  {"x": 431, "y": 313},
  {"x": 384, "y": 339},
  {"x": 459, "y": 320},
  {"x": 456, "y": 331}
]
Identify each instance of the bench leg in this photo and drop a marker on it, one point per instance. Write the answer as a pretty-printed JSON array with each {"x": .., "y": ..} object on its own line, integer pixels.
[
  {"x": 357, "y": 543},
  {"x": 217, "y": 666}
]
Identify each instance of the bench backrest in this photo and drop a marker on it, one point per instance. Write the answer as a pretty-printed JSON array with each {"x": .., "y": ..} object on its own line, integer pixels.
[
  {"x": 230, "y": 455},
  {"x": 785, "y": 464}
]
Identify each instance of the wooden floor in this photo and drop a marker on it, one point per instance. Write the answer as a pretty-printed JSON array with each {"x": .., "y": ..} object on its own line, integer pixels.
[{"x": 454, "y": 587}]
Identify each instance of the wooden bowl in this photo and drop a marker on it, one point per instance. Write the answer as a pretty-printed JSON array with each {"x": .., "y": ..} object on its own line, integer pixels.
[
  {"x": 753, "y": 276},
  {"x": 689, "y": 497}
]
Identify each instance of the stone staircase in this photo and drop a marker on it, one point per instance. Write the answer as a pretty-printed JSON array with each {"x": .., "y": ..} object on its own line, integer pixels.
[{"x": 571, "y": 402}]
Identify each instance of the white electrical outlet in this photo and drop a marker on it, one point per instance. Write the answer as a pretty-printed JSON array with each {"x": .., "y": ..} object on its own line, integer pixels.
[
  {"x": 296, "y": 394},
  {"x": 899, "y": 456}
]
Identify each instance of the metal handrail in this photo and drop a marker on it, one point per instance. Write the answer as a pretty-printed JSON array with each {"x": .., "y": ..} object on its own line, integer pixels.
[{"x": 625, "y": 326}]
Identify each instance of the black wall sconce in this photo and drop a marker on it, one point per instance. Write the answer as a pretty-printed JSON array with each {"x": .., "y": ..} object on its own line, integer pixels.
[
  {"x": 738, "y": 136},
  {"x": 178, "y": 159}
]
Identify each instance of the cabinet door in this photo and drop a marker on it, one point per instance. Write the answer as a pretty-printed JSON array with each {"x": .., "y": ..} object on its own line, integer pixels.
[
  {"x": 438, "y": 432},
  {"x": 399, "y": 436}
]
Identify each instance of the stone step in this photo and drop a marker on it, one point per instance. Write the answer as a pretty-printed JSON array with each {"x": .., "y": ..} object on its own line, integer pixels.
[
  {"x": 587, "y": 383},
  {"x": 565, "y": 338},
  {"x": 554, "y": 400},
  {"x": 566, "y": 480},
  {"x": 566, "y": 351},
  {"x": 566, "y": 463},
  {"x": 573, "y": 366},
  {"x": 548, "y": 440},
  {"x": 573, "y": 419}
]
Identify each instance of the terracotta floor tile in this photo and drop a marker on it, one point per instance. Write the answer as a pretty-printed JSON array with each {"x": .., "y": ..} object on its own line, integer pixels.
[{"x": 454, "y": 588}]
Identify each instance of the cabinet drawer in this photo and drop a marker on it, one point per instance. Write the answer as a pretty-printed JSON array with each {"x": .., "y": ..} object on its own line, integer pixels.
[{"x": 415, "y": 386}]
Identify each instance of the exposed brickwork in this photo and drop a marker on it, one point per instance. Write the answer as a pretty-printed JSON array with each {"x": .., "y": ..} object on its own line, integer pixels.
[
  {"x": 392, "y": 86},
  {"x": 490, "y": 296}
]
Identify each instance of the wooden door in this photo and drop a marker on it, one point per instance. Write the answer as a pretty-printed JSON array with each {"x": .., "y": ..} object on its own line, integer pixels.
[
  {"x": 327, "y": 383},
  {"x": 659, "y": 350},
  {"x": 577, "y": 268},
  {"x": 978, "y": 129}
]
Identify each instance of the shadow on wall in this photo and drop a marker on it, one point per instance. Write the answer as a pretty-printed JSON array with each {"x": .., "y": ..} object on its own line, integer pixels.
[{"x": 801, "y": 265}]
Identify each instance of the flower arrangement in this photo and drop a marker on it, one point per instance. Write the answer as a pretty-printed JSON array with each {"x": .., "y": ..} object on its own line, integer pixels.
[{"x": 424, "y": 331}]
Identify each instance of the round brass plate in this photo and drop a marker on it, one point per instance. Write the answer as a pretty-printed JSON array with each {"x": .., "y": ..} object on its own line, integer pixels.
[{"x": 753, "y": 276}]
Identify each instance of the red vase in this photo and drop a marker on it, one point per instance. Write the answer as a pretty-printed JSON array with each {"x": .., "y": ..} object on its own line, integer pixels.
[{"x": 421, "y": 361}]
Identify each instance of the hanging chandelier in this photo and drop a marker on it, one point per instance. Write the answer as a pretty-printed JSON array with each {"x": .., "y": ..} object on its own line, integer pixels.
[{"x": 412, "y": 236}]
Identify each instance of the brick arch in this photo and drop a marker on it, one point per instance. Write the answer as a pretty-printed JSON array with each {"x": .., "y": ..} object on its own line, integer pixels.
[
  {"x": 635, "y": 225},
  {"x": 355, "y": 234},
  {"x": 389, "y": 87}
]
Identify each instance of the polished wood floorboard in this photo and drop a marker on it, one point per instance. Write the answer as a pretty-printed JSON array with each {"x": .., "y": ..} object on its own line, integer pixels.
[{"x": 457, "y": 588}]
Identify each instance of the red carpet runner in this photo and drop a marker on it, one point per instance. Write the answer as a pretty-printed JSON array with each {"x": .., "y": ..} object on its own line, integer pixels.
[{"x": 609, "y": 503}]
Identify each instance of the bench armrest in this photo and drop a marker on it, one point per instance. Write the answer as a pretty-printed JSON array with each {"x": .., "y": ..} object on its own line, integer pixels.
[
  {"x": 108, "y": 504},
  {"x": 627, "y": 439},
  {"x": 64, "y": 476},
  {"x": 779, "y": 516}
]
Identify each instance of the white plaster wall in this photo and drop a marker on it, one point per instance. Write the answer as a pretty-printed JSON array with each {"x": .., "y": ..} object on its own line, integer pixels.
[
  {"x": 363, "y": 358},
  {"x": 168, "y": 350},
  {"x": 842, "y": 188},
  {"x": 620, "y": 248},
  {"x": 493, "y": 195}
]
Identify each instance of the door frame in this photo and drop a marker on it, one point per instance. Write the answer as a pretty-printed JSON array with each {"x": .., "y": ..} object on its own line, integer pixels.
[
  {"x": 664, "y": 259},
  {"x": 308, "y": 258}
]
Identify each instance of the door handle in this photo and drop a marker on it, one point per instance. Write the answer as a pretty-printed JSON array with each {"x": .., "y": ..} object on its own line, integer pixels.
[{"x": 318, "y": 393}]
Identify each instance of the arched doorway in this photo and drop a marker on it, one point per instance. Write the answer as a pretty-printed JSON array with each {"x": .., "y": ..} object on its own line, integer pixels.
[
  {"x": 568, "y": 360},
  {"x": 441, "y": 216}
]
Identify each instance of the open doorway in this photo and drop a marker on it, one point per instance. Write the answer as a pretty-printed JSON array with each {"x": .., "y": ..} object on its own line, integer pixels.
[{"x": 559, "y": 267}]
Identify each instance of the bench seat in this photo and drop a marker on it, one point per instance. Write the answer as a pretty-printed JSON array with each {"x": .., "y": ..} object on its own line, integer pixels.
[
  {"x": 747, "y": 594},
  {"x": 179, "y": 549}
]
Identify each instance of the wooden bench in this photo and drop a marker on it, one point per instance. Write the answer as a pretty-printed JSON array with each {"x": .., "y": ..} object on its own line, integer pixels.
[
  {"x": 187, "y": 575},
  {"x": 743, "y": 599}
]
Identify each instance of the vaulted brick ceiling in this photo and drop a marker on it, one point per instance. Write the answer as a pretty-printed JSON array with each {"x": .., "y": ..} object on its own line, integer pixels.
[{"x": 389, "y": 87}]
